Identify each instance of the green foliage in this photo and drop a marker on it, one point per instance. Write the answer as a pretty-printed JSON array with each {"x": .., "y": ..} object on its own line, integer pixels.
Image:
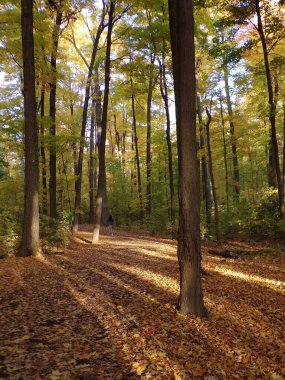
[
  {"x": 55, "y": 233},
  {"x": 10, "y": 232},
  {"x": 254, "y": 221}
]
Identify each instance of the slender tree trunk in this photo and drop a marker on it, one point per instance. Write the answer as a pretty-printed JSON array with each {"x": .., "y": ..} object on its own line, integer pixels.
[
  {"x": 30, "y": 244},
  {"x": 43, "y": 154},
  {"x": 225, "y": 156},
  {"x": 189, "y": 245},
  {"x": 52, "y": 114},
  {"x": 283, "y": 173},
  {"x": 148, "y": 143},
  {"x": 164, "y": 94},
  {"x": 117, "y": 135},
  {"x": 137, "y": 157},
  {"x": 272, "y": 112},
  {"x": 217, "y": 221},
  {"x": 92, "y": 164},
  {"x": 205, "y": 177},
  {"x": 271, "y": 165},
  {"x": 78, "y": 181},
  {"x": 236, "y": 180},
  {"x": 102, "y": 166}
]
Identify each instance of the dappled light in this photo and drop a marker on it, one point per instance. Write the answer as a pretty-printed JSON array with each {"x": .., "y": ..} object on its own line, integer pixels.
[{"x": 109, "y": 312}]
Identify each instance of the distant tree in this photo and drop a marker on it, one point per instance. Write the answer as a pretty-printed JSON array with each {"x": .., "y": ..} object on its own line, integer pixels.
[
  {"x": 189, "y": 246},
  {"x": 30, "y": 240}
]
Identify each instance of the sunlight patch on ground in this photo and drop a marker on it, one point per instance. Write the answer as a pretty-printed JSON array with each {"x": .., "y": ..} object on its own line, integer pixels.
[
  {"x": 161, "y": 281},
  {"x": 276, "y": 285}
]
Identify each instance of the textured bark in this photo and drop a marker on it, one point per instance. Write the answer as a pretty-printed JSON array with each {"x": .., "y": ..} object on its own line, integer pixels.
[
  {"x": 272, "y": 112},
  {"x": 102, "y": 166},
  {"x": 204, "y": 165},
  {"x": 236, "y": 181},
  {"x": 225, "y": 156},
  {"x": 92, "y": 165},
  {"x": 215, "y": 198},
  {"x": 164, "y": 94},
  {"x": 78, "y": 181},
  {"x": 137, "y": 158},
  {"x": 43, "y": 154},
  {"x": 52, "y": 113},
  {"x": 189, "y": 245},
  {"x": 151, "y": 84},
  {"x": 30, "y": 244}
]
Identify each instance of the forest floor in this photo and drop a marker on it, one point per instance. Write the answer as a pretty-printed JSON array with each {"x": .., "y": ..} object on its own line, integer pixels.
[{"x": 108, "y": 312}]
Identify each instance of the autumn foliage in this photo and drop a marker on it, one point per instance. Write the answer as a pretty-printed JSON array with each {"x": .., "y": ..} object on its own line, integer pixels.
[{"x": 108, "y": 312}]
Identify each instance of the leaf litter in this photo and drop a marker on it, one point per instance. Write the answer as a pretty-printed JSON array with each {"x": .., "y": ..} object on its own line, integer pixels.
[{"x": 108, "y": 312}]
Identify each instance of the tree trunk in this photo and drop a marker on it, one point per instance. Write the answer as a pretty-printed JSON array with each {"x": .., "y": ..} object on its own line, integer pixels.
[
  {"x": 189, "y": 246},
  {"x": 216, "y": 209},
  {"x": 225, "y": 156},
  {"x": 30, "y": 244},
  {"x": 151, "y": 84},
  {"x": 137, "y": 157},
  {"x": 236, "y": 181},
  {"x": 92, "y": 164},
  {"x": 102, "y": 166},
  {"x": 78, "y": 181},
  {"x": 164, "y": 94},
  {"x": 43, "y": 154},
  {"x": 52, "y": 114},
  {"x": 205, "y": 176},
  {"x": 272, "y": 112},
  {"x": 283, "y": 173}
]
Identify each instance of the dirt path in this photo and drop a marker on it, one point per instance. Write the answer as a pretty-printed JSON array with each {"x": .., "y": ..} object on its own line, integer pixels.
[{"x": 107, "y": 312}]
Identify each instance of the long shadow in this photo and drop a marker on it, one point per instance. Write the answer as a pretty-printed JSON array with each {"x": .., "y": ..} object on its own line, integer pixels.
[
  {"x": 245, "y": 296},
  {"x": 230, "y": 319},
  {"x": 49, "y": 334}
]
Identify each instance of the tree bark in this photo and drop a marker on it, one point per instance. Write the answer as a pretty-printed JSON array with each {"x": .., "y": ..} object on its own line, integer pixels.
[
  {"x": 205, "y": 176},
  {"x": 137, "y": 157},
  {"x": 30, "y": 244},
  {"x": 42, "y": 151},
  {"x": 272, "y": 111},
  {"x": 189, "y": 245},
  {"x": 102, "y": 165},
  {"x": 78, "y": 181},
  {"x": 236, "y": 180},
  {"x": 92, "y": 164},
  {"x": 52, "y": 113},
  {"x": 216, "y": 209},
  {"x": 164, "y": 94},
  {"x": 151, "y": 84},
  {"x": 225, "y": 156}
]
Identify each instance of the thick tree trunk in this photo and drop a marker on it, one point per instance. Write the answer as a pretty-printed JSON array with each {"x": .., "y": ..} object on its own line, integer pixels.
[
  {"x": 30, "y": 244},
  {"x": 78, "y": 181},
  {"x": 102, "y": 166},
  {"x": 272, "y": 112},
  {"x": 43, "y": 154},
  {"x": 164, "y": 94},
  {"x": 236, "y": 180},
  {"x": 137, "y": 157},
  {"x": 216, "y": 209},
  {"x": 225, "y": 156},
  {"x": 189, "y": 245},
  {"x": 52, "y": 114},
  {"x": 205, "y": 176}
]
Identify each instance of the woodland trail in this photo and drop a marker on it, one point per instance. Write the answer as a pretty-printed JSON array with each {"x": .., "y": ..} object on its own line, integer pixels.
[{"x": 108, "y": 312}]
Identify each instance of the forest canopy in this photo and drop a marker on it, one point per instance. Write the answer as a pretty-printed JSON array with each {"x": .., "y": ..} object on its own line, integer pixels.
[{"x": 103, "y": 67}]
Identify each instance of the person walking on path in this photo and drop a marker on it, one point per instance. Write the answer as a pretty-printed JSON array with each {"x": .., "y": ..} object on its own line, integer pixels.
[{"x": 110, "y": 224}]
